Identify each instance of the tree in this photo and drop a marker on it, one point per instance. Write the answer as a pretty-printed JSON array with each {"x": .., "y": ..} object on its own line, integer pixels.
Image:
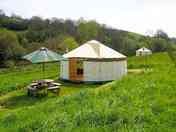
[
  {"x": 129, "y": 46},
  {"x": 14, "y": 22},
  {"x": 87, "y": 30},
  {"x": 56, "y": 27},
  {"x": 171, "y": 50},
  {"x": 70, "y": 28},
  {"x": 159, "y": 44},
  {"x": 9, "y": 46},
  {"x": 61, "y": 43},
  {"x": 116, "y": 39},
  {"x": 69, "y": 43},
  {"x": 55, "y": 43},
  {"x": 37, "y": 30},
  {"x": 161, "y": 34}
]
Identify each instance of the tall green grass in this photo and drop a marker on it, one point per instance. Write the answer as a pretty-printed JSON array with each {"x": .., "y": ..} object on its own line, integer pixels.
[
  {"x": 139, "y": 102},
  {"x": 17, "y": 78},
  {"x": 152, "y": 61}
]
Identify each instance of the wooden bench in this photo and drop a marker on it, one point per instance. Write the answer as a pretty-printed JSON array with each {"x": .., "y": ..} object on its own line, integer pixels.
[
  {"x": 56, "y": 84},
  {"x": 54, "y": 89}
]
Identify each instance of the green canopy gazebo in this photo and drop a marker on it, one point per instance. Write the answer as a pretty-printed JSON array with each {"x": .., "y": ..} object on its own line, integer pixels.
[{"x": 42, "y": 56}]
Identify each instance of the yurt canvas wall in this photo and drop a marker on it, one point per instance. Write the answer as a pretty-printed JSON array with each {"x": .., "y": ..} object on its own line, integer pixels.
[
  {"x": 93, "y": 71},
  {"x": 104, "y": 71},
  {"x": 64, "y": 69}
]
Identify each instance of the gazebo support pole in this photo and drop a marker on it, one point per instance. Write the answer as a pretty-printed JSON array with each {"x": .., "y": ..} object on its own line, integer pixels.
[{"x": 43, "y": 69}]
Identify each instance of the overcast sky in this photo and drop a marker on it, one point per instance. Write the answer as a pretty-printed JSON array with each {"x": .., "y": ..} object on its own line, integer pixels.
[{"x": 140, "y": 16}]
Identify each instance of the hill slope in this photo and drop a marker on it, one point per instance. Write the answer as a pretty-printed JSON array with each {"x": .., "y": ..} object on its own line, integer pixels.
[{"x": 138, "y": 102}]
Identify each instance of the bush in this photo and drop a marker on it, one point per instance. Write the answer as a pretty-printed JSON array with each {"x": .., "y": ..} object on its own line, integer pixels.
[
  {"x": 9, "y": 46},
  {"x": 9, "y": 64}
]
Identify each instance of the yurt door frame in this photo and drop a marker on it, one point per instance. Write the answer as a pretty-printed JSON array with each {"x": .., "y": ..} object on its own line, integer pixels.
[{"x": 76, "y": 70}]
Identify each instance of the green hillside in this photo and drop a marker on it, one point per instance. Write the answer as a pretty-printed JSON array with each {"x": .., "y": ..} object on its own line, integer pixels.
[
  {"x": 20, "y": 36},
  {"x": 142, "y": 101}
]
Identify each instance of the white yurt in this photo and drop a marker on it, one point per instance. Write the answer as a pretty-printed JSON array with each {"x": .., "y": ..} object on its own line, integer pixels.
[
  {"x": 143, "y": 51},
  {"x": 93, "y": 62}
]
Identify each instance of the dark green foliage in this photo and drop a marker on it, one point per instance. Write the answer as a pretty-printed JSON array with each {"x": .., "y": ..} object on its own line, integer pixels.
[
  {"x": 13, "y": 23},
  {"x": 9, "y": 46},
  {"x": 161, "y": 34},
  {"x": 69, "y": 44},
  {"x": 159, "y": 45},
  {"x": 171, "y": 50},
  {"x": 87, "y": 30}
]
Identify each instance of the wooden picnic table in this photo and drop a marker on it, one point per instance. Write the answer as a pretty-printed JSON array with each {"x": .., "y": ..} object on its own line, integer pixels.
[
  {"x": 44, "y": 81},
  {"x": 36, "y": 86}
]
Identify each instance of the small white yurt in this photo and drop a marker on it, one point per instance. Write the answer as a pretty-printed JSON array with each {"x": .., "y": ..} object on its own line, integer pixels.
[
  {"x": 93, "y": 62},
  {"x": 143, "y": 51}
]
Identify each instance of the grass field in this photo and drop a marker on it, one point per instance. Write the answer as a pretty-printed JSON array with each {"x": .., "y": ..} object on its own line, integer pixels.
[
  {"x": 12, "y": 79},
  {"x": 140, "y": 102}
]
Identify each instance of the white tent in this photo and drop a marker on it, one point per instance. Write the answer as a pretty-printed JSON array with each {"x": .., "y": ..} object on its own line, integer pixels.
[
  {"x": 143, "y": 51},
  {"x": 93, "y": 62}
]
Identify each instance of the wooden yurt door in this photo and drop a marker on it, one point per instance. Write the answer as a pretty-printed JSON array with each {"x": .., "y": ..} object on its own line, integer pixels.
[{"x": 76, "y": 70}]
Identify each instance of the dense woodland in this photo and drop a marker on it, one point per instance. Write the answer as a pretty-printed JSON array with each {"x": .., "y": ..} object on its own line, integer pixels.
[{"x": 19, "y": 36}]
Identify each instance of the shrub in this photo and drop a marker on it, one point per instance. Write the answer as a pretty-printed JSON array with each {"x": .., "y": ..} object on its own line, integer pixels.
[{"x": 9, "y": 64}]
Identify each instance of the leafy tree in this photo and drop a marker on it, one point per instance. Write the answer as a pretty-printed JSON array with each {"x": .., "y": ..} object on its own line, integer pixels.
[
  {"x": 117, "y": 39},
  {"x": 14, "y": 22},
  {"x": 87, "y": 30},
  {"x": 69, "y": 43},
  {"x": 9, "y": 46},
  {"x": 56, "y": 27},
  {"x": 129, "y": 46},
  {"x": 161, "y": 34},
  {"x": 55, "y": 43},
  {"x": 171, "y": 50},
  {"x": 70, "y": 28},
  {"x": 159, "y": 45},
  {"x": 22, "y": 39},
  {"x": 37, "y": 30}
]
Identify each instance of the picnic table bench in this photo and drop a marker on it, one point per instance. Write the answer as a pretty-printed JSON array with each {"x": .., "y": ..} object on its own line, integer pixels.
[
  {"x": 45, "y": 85},
  {"x": 55, "y": 87}
]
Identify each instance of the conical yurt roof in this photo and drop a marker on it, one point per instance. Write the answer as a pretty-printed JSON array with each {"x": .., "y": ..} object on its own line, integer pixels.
[
  {"x": 94, "y": 49},
  {"x": 144, "y": 49}
]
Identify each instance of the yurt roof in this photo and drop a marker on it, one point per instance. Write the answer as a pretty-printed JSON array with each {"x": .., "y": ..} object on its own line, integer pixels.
[
  {"x": 94, "y": 49},
  {"x": 144, "y": 49}
]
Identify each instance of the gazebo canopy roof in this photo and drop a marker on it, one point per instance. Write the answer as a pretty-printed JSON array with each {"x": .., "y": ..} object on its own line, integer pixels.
[
  {"x": 95, "y": 50},
  {"x": 43, "y": 55}
]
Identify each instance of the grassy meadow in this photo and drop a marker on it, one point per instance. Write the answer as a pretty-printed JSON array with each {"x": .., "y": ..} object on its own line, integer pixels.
[
  {"x": 144, "y": 101},
  {"x": 19, "y": 77}
]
